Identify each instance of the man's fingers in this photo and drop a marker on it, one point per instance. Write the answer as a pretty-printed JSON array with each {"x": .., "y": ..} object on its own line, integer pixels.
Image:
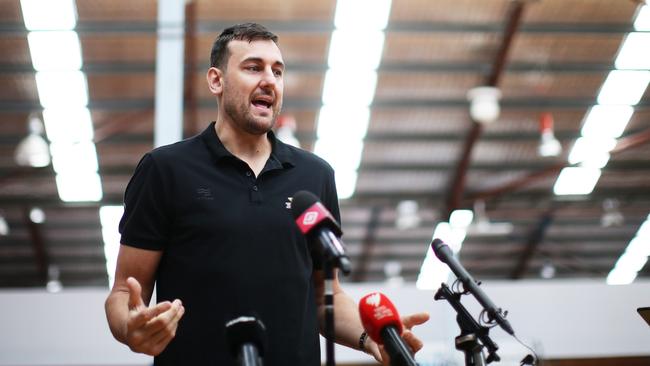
[
  {"x": 167, "y": 318},
  {"x": 415, "y": 319},
  {"x": 412, "y": 341},
  {"x": 159, "y": 339},
  {"x": 144, "y": 315},
  {"x": 135, "y": 293}
]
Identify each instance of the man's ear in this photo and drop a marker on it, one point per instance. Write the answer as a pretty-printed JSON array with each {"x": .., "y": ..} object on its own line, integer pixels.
[{"x": 215, "y": 80}]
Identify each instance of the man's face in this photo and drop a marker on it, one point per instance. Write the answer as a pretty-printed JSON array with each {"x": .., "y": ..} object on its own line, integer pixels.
[{"x": 253, "y": 85}]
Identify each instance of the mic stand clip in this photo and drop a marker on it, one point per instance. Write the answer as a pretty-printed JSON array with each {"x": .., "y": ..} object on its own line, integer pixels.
[{"x": 471, "y": 332}]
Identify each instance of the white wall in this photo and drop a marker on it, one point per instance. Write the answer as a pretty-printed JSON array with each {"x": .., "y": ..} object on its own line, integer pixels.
[
  {"x": 560, "y": 318},
  {"x": 66, "y": 328}
]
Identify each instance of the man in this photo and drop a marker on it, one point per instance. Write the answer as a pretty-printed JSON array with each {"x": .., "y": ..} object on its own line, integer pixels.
[{"x": 208, "y": 220}]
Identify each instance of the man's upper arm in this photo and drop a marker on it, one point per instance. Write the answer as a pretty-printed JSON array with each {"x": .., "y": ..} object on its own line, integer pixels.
[{"x": 140, "y": 264}]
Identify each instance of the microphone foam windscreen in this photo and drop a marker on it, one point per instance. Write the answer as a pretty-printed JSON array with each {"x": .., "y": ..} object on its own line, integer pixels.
[
  {"x": 377, "y": 312},
  {"x": 301, "y": 201},
  {"x": 245, "y": 329}
]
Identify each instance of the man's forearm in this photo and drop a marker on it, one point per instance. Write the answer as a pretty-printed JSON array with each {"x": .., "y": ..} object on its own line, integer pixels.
[
  {"x": 347, "y": 323},
  {"x": 117, "y": 309}
]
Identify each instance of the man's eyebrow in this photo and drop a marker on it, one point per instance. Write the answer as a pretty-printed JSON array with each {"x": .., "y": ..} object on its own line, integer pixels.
[{"x": 259, "y": 59}]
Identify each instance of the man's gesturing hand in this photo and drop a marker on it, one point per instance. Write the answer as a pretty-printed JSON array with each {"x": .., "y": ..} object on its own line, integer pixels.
[
  {"x": 150, "y": 329},
  {"x": 409, "y": 321}
]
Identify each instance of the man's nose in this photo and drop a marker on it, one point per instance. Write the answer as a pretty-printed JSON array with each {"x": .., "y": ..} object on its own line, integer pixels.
[{"x": 268, "y": 78}]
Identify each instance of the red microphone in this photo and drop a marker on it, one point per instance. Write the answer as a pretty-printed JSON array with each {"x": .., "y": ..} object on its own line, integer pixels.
[{"x": 382, "y": 323}]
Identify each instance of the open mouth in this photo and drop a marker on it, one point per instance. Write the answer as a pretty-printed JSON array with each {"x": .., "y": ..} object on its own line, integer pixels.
[{"x": 263, "y": 103}]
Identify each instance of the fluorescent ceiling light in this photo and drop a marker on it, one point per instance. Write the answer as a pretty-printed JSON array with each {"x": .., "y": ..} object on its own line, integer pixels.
[
  {"x": 79, "y": 187},
  {"x": 591, "y": 152},
  {"x": 607, "y": 120},
  {"x": 450, "y": 235},
  {"x": 346, "y": 181},
  {"x": 362, "y": 14},
  {"x": 578, "y": 180},
  {"x": 49, "y": 14},
  {"x": 644, "y": 231},
  {"x": 355, "y": 50},
  {"x": 349, "y": 87},
  {"x": 642, "y": 22},
  {"x": 342, "y": 156},
  {"x": 62, "y": 89},
  {"x": 630, "y": 263},
  {"x": 72, "y": 158},
  {"x": 624, "y": 87},
  {"x": 343, "y": 123},
  {"x": 616, "y": 277},
  {"x": 460, "y": 219},
  {"x": 432, "y": 273},
  {"x": 58, "y": 50},
  {"x": 634, "y": 53},
  {"x": 110, "y": 216},
  {"x": 639, "y": 247},
  {"x": 68, "y": 124}
]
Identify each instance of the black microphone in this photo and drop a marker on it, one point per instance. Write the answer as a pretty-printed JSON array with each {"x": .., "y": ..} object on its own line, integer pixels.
[
  {"x": 444, "y": 253},
  {"x": 317, "y": 223},
  {"x": 246, "y": 340},
  {"x": 382, "y": 323}
]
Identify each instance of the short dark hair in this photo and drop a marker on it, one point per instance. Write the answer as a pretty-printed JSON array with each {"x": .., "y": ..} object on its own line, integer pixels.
[{"x": 240, "y": 32}]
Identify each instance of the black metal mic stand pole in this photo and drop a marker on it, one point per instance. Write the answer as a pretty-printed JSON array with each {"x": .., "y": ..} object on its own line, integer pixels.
[
  {"x": 331, "y": 261},
  {"x": 328, "y": 268},
  {"x": 249, "y": 356},
  {"x": 470, "y": 331}
]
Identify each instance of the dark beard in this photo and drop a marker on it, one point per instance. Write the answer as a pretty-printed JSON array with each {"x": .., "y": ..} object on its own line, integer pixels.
[{"x": 243, "y": 119}]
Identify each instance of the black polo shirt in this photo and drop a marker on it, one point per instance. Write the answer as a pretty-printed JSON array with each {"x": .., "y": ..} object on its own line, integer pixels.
[{"x": 230, "y": 245}]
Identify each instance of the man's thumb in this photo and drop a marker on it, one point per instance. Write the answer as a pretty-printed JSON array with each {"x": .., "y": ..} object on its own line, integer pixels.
[{"x": 135, "y": 293}]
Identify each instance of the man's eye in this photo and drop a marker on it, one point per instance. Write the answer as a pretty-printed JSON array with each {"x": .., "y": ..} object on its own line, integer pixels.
[
  {"x": 252, "y": 68},
  {"x": 278, "y": 72}
]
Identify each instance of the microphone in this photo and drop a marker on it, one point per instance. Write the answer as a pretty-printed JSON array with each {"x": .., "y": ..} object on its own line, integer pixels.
[
  {"x": 382, "y": 323},
  {"x": 317, "y": 223},
  {"x": 444, "y": 253},
  {"x": 246, "y": 340}
]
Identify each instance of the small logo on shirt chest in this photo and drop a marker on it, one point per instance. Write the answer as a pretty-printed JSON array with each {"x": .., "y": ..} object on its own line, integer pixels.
[
  {"x": 287, "y": 204},
  {"x": 204, "y": 194}
]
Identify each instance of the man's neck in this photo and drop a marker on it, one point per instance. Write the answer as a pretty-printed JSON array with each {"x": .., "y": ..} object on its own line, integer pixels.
[{"x": 253, "y": 149}]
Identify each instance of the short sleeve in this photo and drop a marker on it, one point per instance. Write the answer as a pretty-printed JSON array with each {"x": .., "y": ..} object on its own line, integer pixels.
[
  {"x": 147, "y": 217},
  {"x": 330, "y": 197}
]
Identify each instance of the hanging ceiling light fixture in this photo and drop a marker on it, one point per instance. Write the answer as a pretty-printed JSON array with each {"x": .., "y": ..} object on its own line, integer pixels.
[
  {"x": 33, "y": 150},
  {"x": 484, "y": 104},
  {"x": 4, "y": 225},
  {"x": 612, "y": 216},
  {"x": 286, "y": 130},
  {"x": 548, "y": 145},
  {"x": 407, "y": 216}
]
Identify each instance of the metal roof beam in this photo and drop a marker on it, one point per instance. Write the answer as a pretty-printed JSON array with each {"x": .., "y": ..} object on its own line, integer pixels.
[
  {"x": 391, "y": 66},
  {"x": 9, "y": 106},
  {"x": 326, "y": 27},
  {"x": 534, "y": 239},
  {"x": 457, "y": 184}
]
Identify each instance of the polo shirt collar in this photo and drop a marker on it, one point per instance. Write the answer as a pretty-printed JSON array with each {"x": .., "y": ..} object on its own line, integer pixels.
[{"x": 279, "y": 150}]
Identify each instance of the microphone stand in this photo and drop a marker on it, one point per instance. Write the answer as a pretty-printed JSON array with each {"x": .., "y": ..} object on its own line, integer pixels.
[
  {"x": 329, "y": 312},
  {"x": 470, "y": 331},
  {"x": 331, "y": 261},
  {"x": 249, "y": 356}
]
